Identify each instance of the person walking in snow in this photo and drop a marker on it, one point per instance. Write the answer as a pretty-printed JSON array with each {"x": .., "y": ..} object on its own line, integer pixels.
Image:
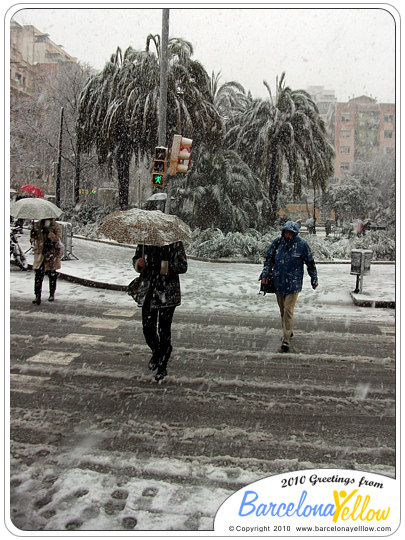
[
  {"x": 45, "y": 234},
  {"x": 285, "y": 258},
  {"x": 159, "y": 294}
]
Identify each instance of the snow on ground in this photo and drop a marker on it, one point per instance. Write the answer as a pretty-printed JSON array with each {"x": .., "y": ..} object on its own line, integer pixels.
[
  {"x": 222, "y": 287},
  {"x": 225, "y": 288}
]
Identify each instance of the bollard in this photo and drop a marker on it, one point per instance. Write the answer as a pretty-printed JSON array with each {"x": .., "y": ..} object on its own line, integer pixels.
[{"x": 360, "y": 265}]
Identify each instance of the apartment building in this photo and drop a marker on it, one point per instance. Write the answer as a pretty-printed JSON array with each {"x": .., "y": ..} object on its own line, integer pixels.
[
  {"x": 33, "y": 55},
  {"x": 324, "y": 99},
  {"x": 360, "y": 130}
]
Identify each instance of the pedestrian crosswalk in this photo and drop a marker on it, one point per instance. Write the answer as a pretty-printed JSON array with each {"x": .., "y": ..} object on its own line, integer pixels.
[{"x": 231, "y": 400}]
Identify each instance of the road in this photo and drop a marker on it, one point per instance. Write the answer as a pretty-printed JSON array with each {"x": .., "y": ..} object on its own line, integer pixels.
[{"x": 97, "y": 443}]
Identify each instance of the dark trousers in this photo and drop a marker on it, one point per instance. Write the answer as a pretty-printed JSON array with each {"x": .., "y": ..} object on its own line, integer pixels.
[
  {"x": 157, "y": 324},
  {"x": 39, "y": 278}
]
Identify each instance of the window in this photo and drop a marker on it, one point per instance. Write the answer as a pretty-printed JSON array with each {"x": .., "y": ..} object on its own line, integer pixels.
[
  {"x": 389, "y": 150},
  {"x": 345, "y": 133},
  {"x": 345, "y": 149},
  {"x": 42, "y": 38},
  {"x": 388, "y": 118},
  {"x": 345, "y": 166},
  {"x": 53, "y": 55},
  {"x": 345, "y": 117},
  {"x": 387, "y": 134}
]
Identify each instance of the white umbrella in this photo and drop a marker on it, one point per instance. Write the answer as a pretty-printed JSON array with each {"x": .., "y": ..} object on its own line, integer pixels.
[
  {"x": 158, "y": 197},
  {"x": 34, "y": 208},
  {"x": 151, "y": 227}
]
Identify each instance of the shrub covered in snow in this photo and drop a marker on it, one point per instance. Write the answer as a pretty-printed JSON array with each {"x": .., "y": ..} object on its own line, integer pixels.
[
  {"x": 251, "y": 245},
  {"x": 85, "y": 218},
  {"x": 379, "y": 242},
  {"x": 213, "y": 244}
]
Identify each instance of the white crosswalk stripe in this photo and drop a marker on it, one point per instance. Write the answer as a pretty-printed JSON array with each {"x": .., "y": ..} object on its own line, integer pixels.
[
  {"x": 388, "y": 330},
  {"x": 120, "y": 312},
  {"x": 26, "y": 384},
  {"x": 102, "y": 324},
  {"x": 53, "y": 357},
  {"x": 88, "y": 338}
]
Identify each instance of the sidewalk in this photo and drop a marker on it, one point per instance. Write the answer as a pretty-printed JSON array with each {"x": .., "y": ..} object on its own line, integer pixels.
[{"x": 108, "y": 265}]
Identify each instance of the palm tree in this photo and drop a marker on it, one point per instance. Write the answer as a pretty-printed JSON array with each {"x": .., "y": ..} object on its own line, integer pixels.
[
  {"x": 220, "y": 191},
  {"x": 229, "y": 98},
  {"x": 119, "y": 107},
  {"x": 95, "y": 126},
  {"x": 288, "y": 131}
]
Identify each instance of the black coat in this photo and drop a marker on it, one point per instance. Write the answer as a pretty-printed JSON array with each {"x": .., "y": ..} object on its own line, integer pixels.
[{"x": 159, "y": 279}]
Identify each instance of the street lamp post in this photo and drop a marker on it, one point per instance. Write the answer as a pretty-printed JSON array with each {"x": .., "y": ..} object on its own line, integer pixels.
[{"x": 58, "y": 171}]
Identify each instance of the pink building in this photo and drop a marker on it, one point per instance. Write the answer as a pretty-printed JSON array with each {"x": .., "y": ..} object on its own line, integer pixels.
[{"x": 360, "y": 130}]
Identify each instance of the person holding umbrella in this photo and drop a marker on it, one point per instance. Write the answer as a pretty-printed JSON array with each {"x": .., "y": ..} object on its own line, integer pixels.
[
  {"x": 159, "y": 294},
  {"x": 45, "y": 234},
  {"x": 159, "y": 259}
]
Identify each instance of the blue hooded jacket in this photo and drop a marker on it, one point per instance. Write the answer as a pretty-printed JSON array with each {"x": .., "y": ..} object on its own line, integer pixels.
[{"x": 288, "y": 270}]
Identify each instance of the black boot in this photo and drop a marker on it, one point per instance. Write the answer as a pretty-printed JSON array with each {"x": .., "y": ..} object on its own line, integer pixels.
[
  {"x": 162, "y": 371},
  {"x": 39, "y": 276},
  {"x": 52, "y": 285},
  {"x": 154, "y": 361}
]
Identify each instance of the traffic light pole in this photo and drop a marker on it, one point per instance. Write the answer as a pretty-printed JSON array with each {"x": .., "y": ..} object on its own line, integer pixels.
[
  {"x": 163, "y": 91},
  {"x": 163, "y": 78}
]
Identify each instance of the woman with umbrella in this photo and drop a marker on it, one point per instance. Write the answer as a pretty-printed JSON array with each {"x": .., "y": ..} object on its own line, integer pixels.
[
  {"x": 45, "y": 234},
  {"x": 159, "y": 294},
  {"x": 159, "y": 258}
]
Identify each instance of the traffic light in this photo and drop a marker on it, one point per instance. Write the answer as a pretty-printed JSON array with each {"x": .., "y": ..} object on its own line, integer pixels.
[
  {"x": 180, "y": 155},
  {"x": 159, "y": 166}
]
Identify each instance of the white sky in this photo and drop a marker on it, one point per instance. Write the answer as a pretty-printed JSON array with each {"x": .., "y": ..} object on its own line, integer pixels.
[{"x": 347, "y": 49}]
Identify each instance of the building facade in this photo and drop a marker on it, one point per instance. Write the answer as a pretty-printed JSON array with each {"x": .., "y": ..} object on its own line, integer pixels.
[
  {"x": 325, "y": 100},
  {"x": 360, "y": 130},
  {"x": 33, "y": 56},
  {"x": 35, "y": 61}
]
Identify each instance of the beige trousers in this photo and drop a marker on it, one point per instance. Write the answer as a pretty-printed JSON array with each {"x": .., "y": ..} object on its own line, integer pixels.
[{"x": 286, "y": 303}]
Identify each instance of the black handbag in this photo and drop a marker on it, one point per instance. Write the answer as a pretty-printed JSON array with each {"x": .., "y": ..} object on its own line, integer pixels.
[
  {"x": 268, "y": 288},
  {"x": 133, "y": 287}
]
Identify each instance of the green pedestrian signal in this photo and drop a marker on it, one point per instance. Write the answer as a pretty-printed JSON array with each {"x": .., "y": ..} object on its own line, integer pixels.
[
  {"x": 158, "y": 180},
  {"x": 159, "y": 166}
]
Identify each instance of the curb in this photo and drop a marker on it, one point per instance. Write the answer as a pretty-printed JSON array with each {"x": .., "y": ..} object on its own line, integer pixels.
[
  {"x": 84, "y": 281},
  {"x": 90, "y": 283},
  {"x": 364, "y": 302}
]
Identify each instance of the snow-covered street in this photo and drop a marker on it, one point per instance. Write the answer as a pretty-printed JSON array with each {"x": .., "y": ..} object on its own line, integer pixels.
[{"x": 97, "y": 445}]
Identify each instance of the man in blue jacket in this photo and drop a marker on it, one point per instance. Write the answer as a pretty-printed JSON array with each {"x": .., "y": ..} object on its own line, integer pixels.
[{"x": 286, "y": 257}]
